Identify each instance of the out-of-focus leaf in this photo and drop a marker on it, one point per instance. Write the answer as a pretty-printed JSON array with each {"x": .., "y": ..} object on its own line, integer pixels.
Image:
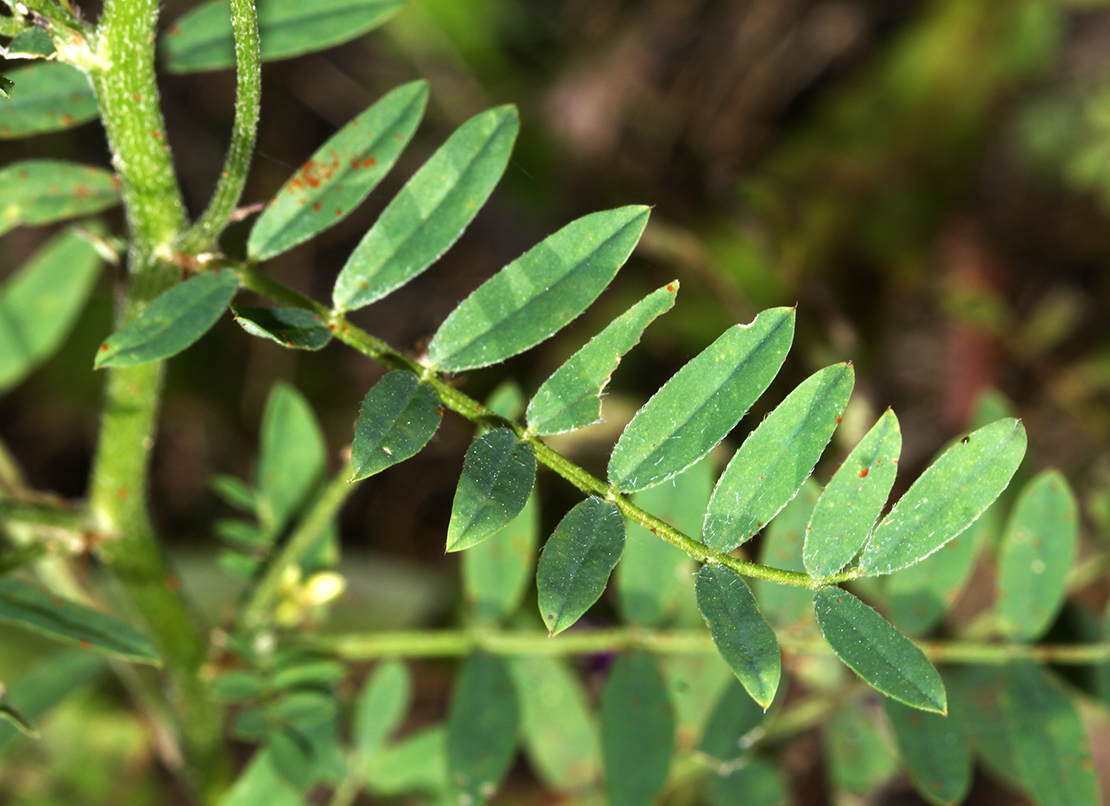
[
  {"x": 788, "y": 608},
  {"x": 1049, "y": 741},
  {"x": 848, "y": 508},
  {"x": 174, "y": 321},
  {"x": 342, "y": 172},
  {"x": 559, "y": 734},
  {"x": 975, "y": 693},
  {"x": 497, "y": 477},
  {"x": 947, "y": 498},
  {"x": 203, "y": 38},
  {"x": 32, "y": 43},
  {"x": 261, "y": 784},
  {"x": 29, "y": 607},
  {"x": 481, "y": 728},
  {"x": 37, "y": 192},
  {"x": 539, "y": 293},
  {"x": 399, "y": 415},
  {"x": 381, "y": 706},
  {"x": 294, "y": 328},
  {"x": 577, "y": 560},
  {"x": 770, "y": 467},
  {"x": 860, "y": 756},
  {"x": 431, "y": 210},
  {"x": 935, "y": 751},
  {"x": 238, "y": 685},
  {"x": 637, "y": 731},
  {"x": 496, "y": 572},
  {"x": 310, "y": 674},
  {"x": 571, "y": 397},
  {"x": 290, "y": 459},
  {"x": 758, "y": 783},
  {"x": 652, "y": 574},
  {"x": 1039, "y": 547},
  {"x": 235, "y": 492},
  {"x": 877, "y": 652},
  {"x": 734, "y": 724},
  {"x": 416, "y": 763},
  {"x": 702, "y": 402},
  {"x": 293, "y": 756},
  {"x": 41, "y": 302},
  {"x": 47, "y": 683},
  {"x": 10, "y": 714},
  {"x": 51, "y": 96},
  {"x": 739, "y": 631},
  {"x": 506, "y": 400},
  {"x": 695, "y": 681}
]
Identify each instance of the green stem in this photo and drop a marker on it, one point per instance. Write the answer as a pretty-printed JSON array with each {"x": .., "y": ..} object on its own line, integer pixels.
[
  {"x": 124, "y": 83},
  {"x": 457, "y": 401},
  {"x": 248, "y": 91},
  {"x": 50, "y": 516},
  {"x": 265, "y": 594}
]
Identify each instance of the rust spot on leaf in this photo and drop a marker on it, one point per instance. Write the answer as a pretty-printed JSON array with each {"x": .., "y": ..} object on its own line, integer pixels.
[
  {"x": 838, "y": 421},
  {"x": 863, "y": 473},
  {"x": 83, "y": 644},
  {"x": 368, "y": 162},
  {"x": 316, "y": 207}
]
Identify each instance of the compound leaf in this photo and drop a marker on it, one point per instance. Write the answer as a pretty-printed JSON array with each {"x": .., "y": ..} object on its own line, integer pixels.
[
  {"x": 878, "y": 653},
  {"x": 739, "y": 631},
  {"x": 1048, "y": 740},
  {"x": 431, "y": 210},
  {"x": 770, "y": 467},
  {"x": 853, "y": 499},
  {"x": 1038, "y": 549},
  {"x": 290, "y": 459},
  {"x": 481, "y": 727},
  {"x": 560, "y": 737},
  {"x": 294, "y": 328},
  {"x": 341, "y": 173},
  {"x": 203, "y": 38},
  {"x": 947, "y": 498},
  {"x": 577, "y": 560},
  {"x": 40, "y": 303},
  {"x": 637, "y": 731},
  {"x": 30, "y": 607},
  {"x": 52, "y": 96},
  {"x": 39, "y": 192},
  {"x": 398, "y": 417},
  {"x": 702, "y": 402},
  {"x": 935, "y": 751},
  {"x": 539, "y": 293},
  {"x": 496, "y": 572},
  {"x": 174, "y": 321},
  {"x": 497, "y": 477},
  {"x": 381, "y": 706}
]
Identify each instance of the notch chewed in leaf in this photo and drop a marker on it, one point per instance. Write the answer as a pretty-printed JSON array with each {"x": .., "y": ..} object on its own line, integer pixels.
[
  {"x": 174, "y": 321},
  {"x": 398, "y": 417},
  {"x": 872, "y": 648},
  {"x": 497, "y": 478}
]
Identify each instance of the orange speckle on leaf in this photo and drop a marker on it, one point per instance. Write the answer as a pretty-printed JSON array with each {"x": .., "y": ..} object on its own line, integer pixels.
[
  {"x": 123, "y": 493},
  {"x": 838, "y": 421},
  {"x": 157, "y": 135},
  {"x": 316, "y": 207},
  {"x": 68, "y": 120},
  {"x": 439, "y": 412},
  {"x": 863, "y": 473},
  {"x": 103, "y": 347},
  {"x": 368, "y": 162},
  {"x": 174, "y": 30},
  {"x": 172, "y": 582},
  {"x": 338, "y": 212},
  {"x": 670, "y": 287},
  {"x": 138, "y": 97}
]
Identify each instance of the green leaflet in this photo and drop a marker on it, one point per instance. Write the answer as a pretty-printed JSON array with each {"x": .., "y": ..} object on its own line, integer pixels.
[
  {"x": 539, "y": 293},
  {"x": 261, "y": 783},
  {"x": 577, "y": 560},
  {"x": 6, "y": 85},
  {"x": 294, "y": 328},
  {"x": 759, "y": 782},
  {"x": 571, "y": 397},
  {"x": 33, "y": 609},
  {"x": 52, "y": 96},
  {"x": 947, "y": 498},
  {"x": 399, "y": 415},
  {"x": 787, "y": 607},
  {"x": 559, "y": 734},
  {"x": 13, "y": 716},
  {"x": 1038, "y": 549},
  {"x": 497, "y": 477},
  {"x": 31, "y": 43},
  {"x": 976, "y": 706},
  {"x": 203, "y": 39},
  {"x": 739, "y": 631},
  {"x": 173, "y": 322},
  {"x": 431, "y": 210},
  {"x": 290, "y": 459},
  {"x": 877, "y": 652},
  {"x": 497, "y": 571},
  {"x": 695, "y": 681},
  {"x": 381, "y": 706},
  {"x": 39, "y": 192},
  {"x": 853, "y": 499},
  {"x": 47, "y": 683},
  {"x": 770, "y": 467},
  {"x": 702, "y": 402},
  {"x": 734, "y": 724},
  {"x": 1048, "y": 739},
  {"x": 481, "y": 728},
  {"x": 342, "y": 172},
  {"x": 417, "y": 762},
  {"x": 40, "y": 303},
  {"x": 935, "y": 752},
  {"x": 637, "y": 731},
  {"x": 858, "y": 752},
  {"x": 653, "y": 576}
]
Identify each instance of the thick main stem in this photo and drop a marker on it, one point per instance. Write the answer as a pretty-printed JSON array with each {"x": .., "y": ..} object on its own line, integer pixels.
[{"x": 123, "y": 79}]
